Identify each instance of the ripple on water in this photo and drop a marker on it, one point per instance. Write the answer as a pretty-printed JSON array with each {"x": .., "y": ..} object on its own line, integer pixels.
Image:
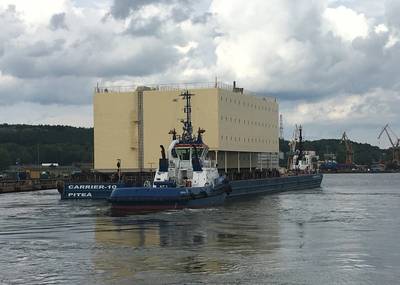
[{"x": 345, "y": 233}]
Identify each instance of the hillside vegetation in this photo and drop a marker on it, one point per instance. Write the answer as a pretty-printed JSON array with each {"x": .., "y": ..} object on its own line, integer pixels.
[
  {"x": 26, "y": 144},
  {"x": 364, "y": 153}
]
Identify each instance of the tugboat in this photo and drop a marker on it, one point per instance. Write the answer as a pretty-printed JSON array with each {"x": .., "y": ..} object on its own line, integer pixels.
[
  {"x": 303, "y": 174},
  {"x": 300, "y": 159},
  {"x": 184, "y": 178}
]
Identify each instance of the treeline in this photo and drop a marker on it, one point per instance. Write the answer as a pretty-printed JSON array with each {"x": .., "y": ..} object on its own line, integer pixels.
[
  {"x": 364, "y": 153},
  {"x": 26, "y": 144}
]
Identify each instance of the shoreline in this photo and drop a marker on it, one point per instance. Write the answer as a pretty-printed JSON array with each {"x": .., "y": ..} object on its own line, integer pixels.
[{"x": 14, "y": 186}]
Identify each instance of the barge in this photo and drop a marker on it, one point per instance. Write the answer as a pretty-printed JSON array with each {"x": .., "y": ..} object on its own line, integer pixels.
[{"x": 186, "y": 178}]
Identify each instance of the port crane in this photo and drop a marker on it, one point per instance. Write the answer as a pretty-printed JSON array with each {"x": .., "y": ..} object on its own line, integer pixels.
[
  {"x": 394, "y": 141},
  {"x": 349, "y": 149}
]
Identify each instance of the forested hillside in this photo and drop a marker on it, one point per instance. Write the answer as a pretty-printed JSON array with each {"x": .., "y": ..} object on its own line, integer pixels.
[
  {"x": 364, "y": 153},
  {"x": 27, "y": 144}
]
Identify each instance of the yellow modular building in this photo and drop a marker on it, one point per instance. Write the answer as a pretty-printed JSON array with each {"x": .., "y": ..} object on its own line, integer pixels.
[{"x": 130, "y": 124}]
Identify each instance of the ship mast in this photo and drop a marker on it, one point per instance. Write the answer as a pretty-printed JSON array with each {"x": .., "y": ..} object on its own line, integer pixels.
[
  {"x": 300, "y": 146},
  {"x": 187, "y": 124}
]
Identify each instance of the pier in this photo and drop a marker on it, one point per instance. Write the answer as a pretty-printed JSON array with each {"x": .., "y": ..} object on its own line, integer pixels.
[{"x": 12, "y": 186}]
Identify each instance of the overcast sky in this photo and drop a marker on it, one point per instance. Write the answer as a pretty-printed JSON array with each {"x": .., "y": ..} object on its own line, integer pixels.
[{"x": 333, "y": 64}]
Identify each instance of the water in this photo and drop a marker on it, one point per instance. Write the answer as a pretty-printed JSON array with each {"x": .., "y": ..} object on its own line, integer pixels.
[{"x": 348, "y": 232}]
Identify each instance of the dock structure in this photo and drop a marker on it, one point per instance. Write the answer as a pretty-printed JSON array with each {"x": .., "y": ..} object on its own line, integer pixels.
[
  {"x": 12, "y": 186},
  {"x": 130, "y": 124}
]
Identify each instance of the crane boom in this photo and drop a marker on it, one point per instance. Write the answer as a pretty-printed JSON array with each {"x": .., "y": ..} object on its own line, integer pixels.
[
  {"x": 349, "y": 149},
  {"x": 388, "y": 135},
  {"x": 395, "y": 146},
  {"x": 380, "y": 134}
]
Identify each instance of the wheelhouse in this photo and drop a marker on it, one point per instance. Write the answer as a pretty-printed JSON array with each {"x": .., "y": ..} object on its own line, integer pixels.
[{"x": 189, "y": 151}]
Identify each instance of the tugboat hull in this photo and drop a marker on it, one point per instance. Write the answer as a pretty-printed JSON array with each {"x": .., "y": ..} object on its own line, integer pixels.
[{"x": 155, "y": 199}]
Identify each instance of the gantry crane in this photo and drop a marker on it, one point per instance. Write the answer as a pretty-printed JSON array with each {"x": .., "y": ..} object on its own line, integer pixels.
[
  {"x": 394, "y": 141},
  {"x": 349, "y": 149}
]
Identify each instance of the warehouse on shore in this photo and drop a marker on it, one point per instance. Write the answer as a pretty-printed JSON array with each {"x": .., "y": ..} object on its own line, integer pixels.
[{"x": 130, "y": 124}]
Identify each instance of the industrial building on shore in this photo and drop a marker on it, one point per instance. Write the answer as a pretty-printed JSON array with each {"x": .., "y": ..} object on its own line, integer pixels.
[{"x": 130, "y": 124}]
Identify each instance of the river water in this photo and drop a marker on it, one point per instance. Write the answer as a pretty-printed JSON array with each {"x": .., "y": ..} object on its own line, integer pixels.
[{"x": 347, "y": 232}]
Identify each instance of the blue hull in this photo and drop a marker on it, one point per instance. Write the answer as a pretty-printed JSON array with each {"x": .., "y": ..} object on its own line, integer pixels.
[
  {"x": 240, "y": 188},
  {"x": 150, "y": 199},
  {"x": 243, "y": 188}
]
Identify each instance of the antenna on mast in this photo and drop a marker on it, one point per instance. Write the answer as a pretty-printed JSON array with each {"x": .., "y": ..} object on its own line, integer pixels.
[
  {"x": 187, "y": 124},
  {"x": 299, "y": 150}
]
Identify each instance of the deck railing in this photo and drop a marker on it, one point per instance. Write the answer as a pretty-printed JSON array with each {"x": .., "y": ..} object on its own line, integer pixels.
[{"x": 177, "y": 87}]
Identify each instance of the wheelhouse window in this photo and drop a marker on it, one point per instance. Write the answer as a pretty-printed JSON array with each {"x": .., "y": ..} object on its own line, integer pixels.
[
  {"x": 183, "y": 153},
  {"x": 199, "y": 151}
]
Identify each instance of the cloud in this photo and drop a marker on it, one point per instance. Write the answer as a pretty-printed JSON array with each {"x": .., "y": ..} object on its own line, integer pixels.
[
  {"x": 370, "y": 8},
  {"x": 348, "y": 107},
  {"x": 392, "y": 9},
  {"x": 11, "y": 25},
  {"x": 307, "y": 56},
  {"x": 329, "y": 62},
  {"x": 122, "y": 9},
  {"x": 54, "y": 114},
  {"x": 69, "y": 90},
  {"x": 123, "y": 56},
  {"x": 346, "y": 23},
  {"x": 53, "y": 65},
  {"x": 57, "y": 21},
  {"x": 361, "y": 115},
  {"x": 36, "y": 12}
]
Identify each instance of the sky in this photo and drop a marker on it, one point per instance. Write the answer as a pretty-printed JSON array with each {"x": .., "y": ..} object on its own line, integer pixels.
[{"x": 333, "y": 65}]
